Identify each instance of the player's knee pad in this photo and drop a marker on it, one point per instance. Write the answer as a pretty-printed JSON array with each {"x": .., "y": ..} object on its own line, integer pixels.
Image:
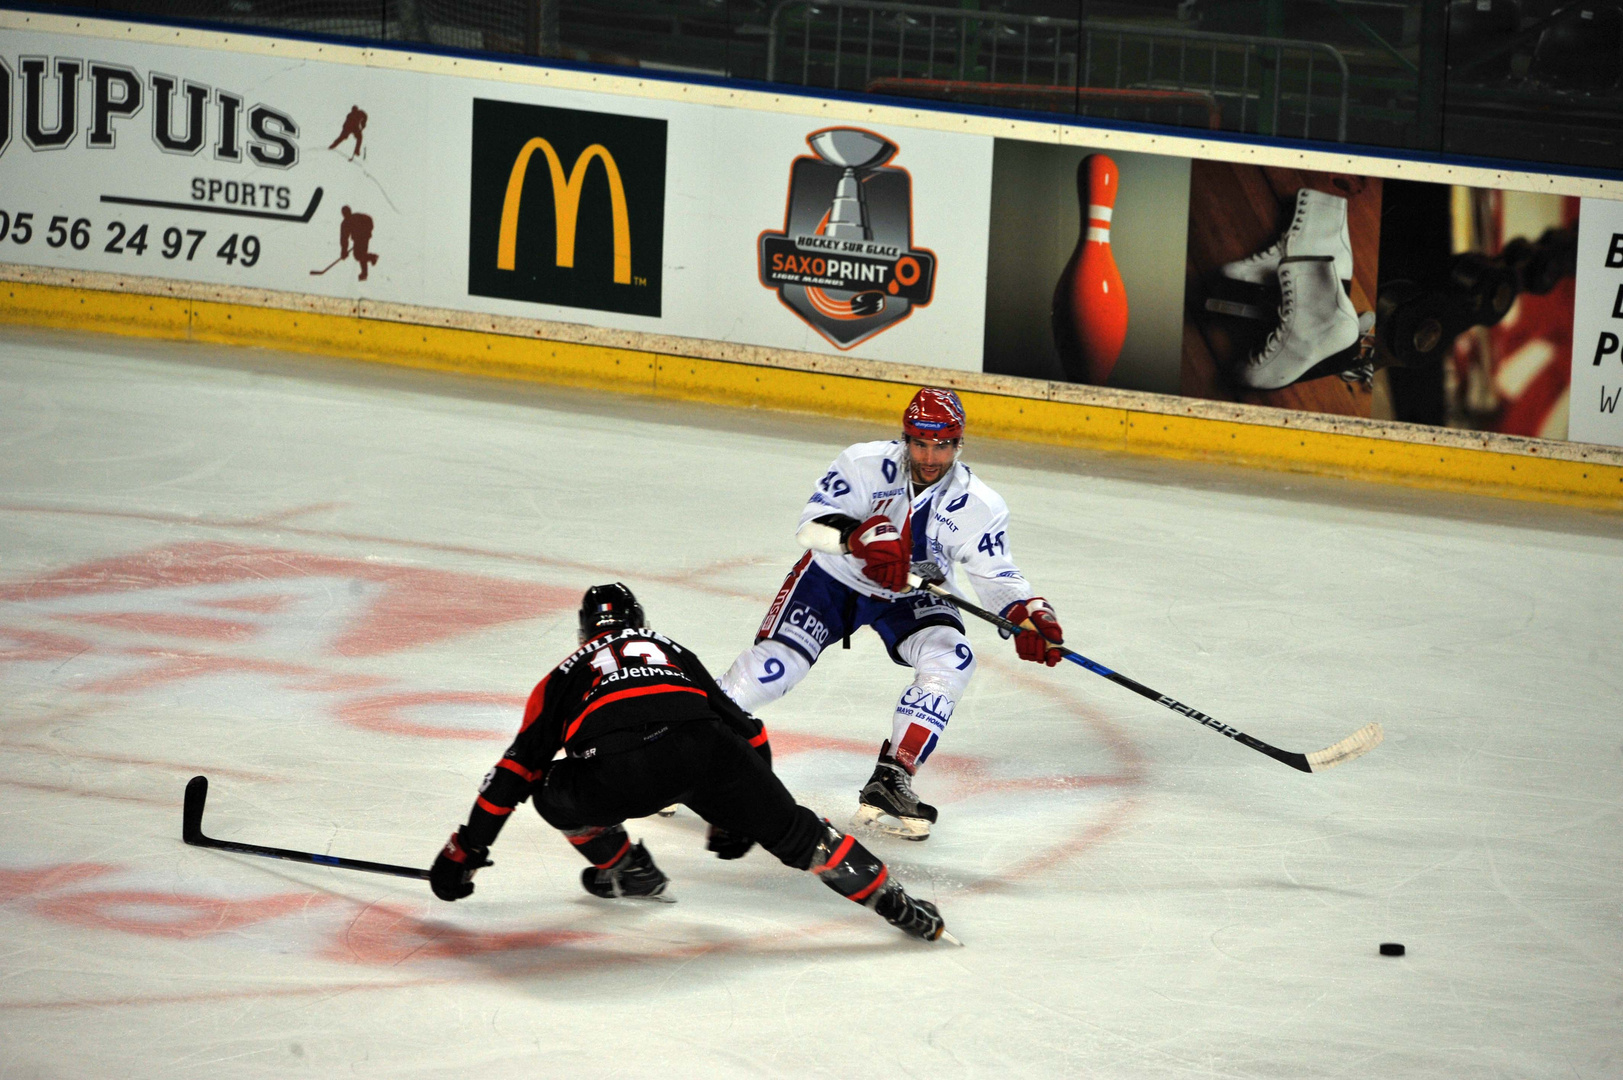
[
  {"x": 847, "y": 867},
  {"x": 763, "y": 673},
  {"x": 602, "y": 846},
  {"x": 942, "y": 665},
  {"x": 941, "y": 656}
]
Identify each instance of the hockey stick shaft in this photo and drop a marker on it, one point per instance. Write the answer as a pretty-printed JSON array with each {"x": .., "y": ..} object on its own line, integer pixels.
[
  {"x": 1358, "y": 743},
  {"x": 329, "y": 266},
  {"x": 191, "y": 831}
]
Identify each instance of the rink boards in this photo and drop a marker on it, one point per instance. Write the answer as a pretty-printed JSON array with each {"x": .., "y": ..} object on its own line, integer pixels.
[{"x": 691, "y": 300}]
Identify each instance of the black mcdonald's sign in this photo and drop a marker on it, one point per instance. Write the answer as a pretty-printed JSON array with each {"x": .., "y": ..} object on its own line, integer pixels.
[{"x": 567, "y": 207}]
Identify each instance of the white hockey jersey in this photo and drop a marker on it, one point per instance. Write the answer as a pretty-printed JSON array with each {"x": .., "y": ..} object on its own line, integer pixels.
[{"x": 958, "y": 520}]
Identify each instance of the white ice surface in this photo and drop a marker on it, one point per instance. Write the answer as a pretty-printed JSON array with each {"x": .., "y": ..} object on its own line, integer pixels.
[{"x": 328, "y": 587}]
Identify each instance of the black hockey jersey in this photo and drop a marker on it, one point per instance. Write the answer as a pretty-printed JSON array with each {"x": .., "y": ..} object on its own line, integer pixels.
[{"x": 618, "y": 690}]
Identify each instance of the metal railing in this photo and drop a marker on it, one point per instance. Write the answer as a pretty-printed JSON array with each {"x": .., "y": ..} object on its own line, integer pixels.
[
  {"x": 1047, "y": 98},
  {"x": 1262, "y": 84}
]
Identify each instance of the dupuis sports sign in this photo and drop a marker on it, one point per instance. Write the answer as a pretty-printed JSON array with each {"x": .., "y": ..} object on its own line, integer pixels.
[{"x": 845, "y": 260}]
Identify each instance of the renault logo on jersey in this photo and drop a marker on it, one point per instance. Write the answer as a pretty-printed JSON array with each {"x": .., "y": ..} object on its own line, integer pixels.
[{"x": 567, "y": 207}]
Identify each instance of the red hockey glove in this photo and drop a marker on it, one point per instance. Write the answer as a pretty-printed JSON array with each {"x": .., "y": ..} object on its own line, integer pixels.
[
  {"x": 885, "y": 551},
  {"x": 451, "y": 876},
  {"x": 1037, "y": 645}
]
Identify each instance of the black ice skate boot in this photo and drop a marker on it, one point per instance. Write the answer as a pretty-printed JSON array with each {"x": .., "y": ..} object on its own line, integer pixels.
[
  {"x": 888, "y": 804},
  {"x": 857, "y": 874},
  {"x": 634, "y": 876},
  {"x": 919, "y": 918}
]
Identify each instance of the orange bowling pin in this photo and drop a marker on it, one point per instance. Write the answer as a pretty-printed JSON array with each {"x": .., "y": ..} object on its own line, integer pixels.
[{"x": 1090, "y": 304}]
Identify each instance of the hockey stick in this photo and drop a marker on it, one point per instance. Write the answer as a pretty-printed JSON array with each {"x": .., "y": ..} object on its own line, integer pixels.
[
  {"x": 329, "y": 266},
  {"x": 1358, "y": 743},
  {"x": 191, "y": 831}
]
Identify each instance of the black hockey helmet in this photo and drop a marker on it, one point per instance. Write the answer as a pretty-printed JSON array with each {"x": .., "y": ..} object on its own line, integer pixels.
[{"x": 608, "y": 607}]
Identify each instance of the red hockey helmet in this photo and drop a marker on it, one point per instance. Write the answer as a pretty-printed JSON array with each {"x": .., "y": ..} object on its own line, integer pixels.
[{"x": 934, "y": 416}]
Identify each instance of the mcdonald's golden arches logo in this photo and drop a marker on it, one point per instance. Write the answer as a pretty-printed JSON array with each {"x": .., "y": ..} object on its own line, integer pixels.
[{"x": 590, "y": 235}]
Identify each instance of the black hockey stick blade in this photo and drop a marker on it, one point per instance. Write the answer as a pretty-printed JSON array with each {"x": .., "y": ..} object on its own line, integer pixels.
[
  {"x": 926, "y": 576},
  {"x": 191, "y": 831},
  {"x": 191, "y": 815}
]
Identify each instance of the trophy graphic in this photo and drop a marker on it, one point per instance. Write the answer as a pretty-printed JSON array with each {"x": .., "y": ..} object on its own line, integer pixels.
[
  {"x": 845, "y": 262},
  {"x": 856, "y": 152}
]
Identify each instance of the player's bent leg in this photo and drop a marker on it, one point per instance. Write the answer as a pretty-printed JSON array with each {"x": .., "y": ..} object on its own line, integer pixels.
[
  {"x": 763, "y": 673},
  {"x": 735, "y": 791},
  {"x": 810, "y": 611},
  {"x": 742, "y": 795},
  {"x": 943, "y": 664},
  {"x": 619, "y": 867},
  {"x": 600, "y": 845},
  {"x": 633, "y": 875},
  {"x": 857, "y": 874}
]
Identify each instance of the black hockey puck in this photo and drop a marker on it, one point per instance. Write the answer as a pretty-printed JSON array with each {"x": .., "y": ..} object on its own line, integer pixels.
[{"x": 1391, "y": 948}]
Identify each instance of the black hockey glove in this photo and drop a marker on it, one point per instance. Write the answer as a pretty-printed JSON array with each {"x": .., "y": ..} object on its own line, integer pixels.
[
  {"x": 928, "y": 573},
  {"x": 727, "y": 845},
  {"x": 451, "y": 876}
]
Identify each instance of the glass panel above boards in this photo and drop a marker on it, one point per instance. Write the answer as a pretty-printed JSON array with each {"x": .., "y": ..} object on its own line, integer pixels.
[{"x": 1527, "y": 80}]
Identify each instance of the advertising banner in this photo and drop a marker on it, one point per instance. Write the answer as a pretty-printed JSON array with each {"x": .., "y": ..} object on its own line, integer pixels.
[
  {"x": 1332, "y": 292},
  {"x": 1108, "y": 253},
  {"x": 1329, "y": 292},
  {"x": 1597, "y": 331},
  {"x": 352, "y": 181}
]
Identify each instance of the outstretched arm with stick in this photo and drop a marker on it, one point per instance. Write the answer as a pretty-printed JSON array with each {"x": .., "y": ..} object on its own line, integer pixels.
[{"x": 928, "y": 577}]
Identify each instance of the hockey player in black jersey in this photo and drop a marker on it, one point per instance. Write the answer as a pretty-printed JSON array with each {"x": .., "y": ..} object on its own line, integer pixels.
[{"x": 643, "y": 726}]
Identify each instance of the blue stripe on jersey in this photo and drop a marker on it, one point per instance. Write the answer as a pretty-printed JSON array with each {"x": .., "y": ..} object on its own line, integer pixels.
[
  {"x": 924, "y": 755},
  {"x": 921, "y": 521}
]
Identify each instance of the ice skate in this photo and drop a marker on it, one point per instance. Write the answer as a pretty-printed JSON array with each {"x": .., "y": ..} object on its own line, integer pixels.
[
  {"x": 1318, "y": 328},
  {"x": 1318, "y": 227},
  {"x": 919, "y": 918},
  {"x": 634, "y": 877},
  {"x": 887, "y": 802}
]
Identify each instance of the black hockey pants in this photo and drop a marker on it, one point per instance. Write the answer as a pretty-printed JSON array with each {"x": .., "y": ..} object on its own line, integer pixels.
[{"x": 701, "y": 764}]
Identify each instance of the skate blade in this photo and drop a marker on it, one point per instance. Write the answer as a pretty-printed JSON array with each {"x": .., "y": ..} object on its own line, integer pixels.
[
  {"x": 662, "y": 898},
  {"x": 877, "y": 820}
]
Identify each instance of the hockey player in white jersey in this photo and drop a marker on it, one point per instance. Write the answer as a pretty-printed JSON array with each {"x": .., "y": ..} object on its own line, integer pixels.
[{"x": 879, "y": 508}]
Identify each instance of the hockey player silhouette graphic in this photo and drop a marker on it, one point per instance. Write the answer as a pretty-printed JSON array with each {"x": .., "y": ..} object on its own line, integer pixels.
[
  {"x": 355, "y": 233},
  {"x": 354, "y": 125}
]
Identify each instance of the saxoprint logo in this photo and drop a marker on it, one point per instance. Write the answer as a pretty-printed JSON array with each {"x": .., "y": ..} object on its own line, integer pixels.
[
  {"x": 567, "y": 207},
  {"x": 845, "y": 260}
]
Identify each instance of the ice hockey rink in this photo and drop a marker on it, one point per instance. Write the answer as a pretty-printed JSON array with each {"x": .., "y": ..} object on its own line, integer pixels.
[{"x": 329, "y": 586}]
